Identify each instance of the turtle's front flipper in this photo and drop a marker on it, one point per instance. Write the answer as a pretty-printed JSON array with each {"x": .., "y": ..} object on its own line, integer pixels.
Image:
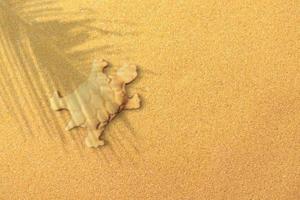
[
  {"x": 133, "y": 102},
  {"x": 98, "y": 66}
]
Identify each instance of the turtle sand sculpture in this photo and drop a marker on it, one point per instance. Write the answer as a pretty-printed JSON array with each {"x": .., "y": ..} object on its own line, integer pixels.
[{"x": 98, "y": 100}]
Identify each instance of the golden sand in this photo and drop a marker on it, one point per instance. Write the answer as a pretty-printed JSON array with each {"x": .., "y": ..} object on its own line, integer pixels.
[
  {"x": 98, "y": 100},
  {"x": 219, "y": 81}
]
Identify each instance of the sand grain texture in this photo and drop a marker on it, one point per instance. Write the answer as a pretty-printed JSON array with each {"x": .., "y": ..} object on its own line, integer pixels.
[{"x": 219, "y": 81}]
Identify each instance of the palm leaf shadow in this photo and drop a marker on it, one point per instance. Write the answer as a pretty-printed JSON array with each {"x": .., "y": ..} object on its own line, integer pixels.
[
  {"x": 36, "y": 41},
  {"x": 33, "y": 50}
]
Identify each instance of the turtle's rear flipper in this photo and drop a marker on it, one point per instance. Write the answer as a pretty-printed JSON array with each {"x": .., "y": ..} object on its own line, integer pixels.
[
  {"x": 133, "y": 102},
  {"x": 57, "y": 102},
  {"x": 71, "y": 125},
  {"x": 98, "y": 67},
  {"x": 93, "y": 138}
]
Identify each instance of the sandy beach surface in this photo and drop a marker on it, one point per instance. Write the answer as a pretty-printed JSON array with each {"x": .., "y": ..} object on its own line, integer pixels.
[{"x": 219, "y": 81}]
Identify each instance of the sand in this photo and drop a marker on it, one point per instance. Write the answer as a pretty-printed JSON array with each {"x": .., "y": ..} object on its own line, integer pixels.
[{"x": 219, "y": 82}]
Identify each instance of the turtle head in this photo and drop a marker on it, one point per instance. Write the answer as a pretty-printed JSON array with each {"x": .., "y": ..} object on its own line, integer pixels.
[{"x": 127, "y": 73}]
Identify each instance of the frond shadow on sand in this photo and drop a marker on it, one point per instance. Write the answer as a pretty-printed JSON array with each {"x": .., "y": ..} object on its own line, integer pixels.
[{"x": 41, "y": 46}]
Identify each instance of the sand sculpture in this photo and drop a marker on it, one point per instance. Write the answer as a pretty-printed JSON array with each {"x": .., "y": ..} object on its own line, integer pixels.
[{"x": 98, "y": 100}]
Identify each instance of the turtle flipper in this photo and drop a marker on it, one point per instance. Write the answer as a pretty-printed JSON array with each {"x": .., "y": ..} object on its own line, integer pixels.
[
  {"x": 93, "y": 138},
  {"x": 71, "y": 125},
  {"x": 57, "y": 102},
  {"x": 133, "y": 102},
  {"x": 98, "y": 66}
]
